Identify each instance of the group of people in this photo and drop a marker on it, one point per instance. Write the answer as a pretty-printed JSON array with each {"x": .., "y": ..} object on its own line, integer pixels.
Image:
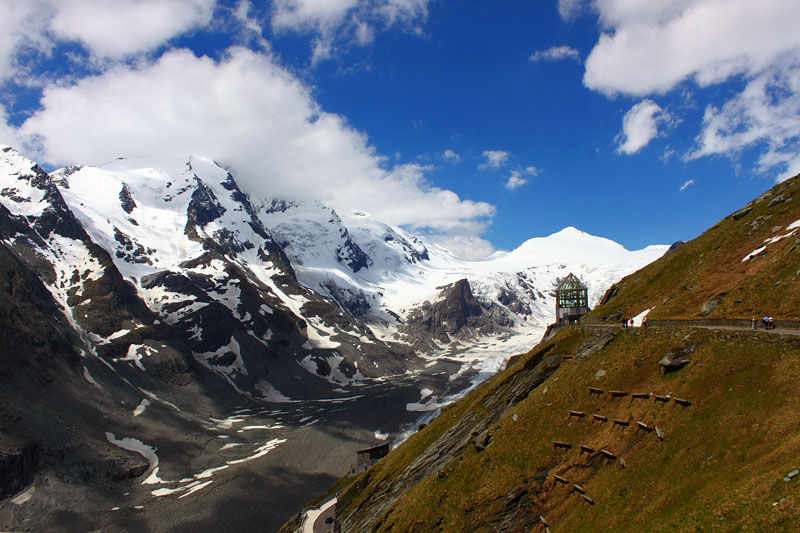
[
  {"x": 768, "y": 321},
  {"x": 626, "y": 323}
]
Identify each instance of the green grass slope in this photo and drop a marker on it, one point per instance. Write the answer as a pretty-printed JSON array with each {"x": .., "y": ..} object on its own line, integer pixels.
[
  {"x": 721, "y": 462},
  {"x": 488, "y": 462},
  {"x": 711, "y": 269}
]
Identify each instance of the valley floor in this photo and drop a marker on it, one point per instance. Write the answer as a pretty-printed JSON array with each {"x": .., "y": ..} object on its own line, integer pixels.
[{"x": 250, "y": 470}]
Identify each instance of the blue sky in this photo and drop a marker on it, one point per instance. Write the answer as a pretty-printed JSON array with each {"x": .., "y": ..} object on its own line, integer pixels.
[{"x": 478, "y": 124}]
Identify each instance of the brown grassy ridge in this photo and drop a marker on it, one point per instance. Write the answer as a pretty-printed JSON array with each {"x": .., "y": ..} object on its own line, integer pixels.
[
  {"x": 710, "y": 267},
  {"x": 720, "y": 466}
]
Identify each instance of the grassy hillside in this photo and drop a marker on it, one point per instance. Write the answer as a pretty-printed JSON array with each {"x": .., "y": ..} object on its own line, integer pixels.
[
  {"x": 488, "y": 462},
  {"x": 710, "y": 268},
  {"x": 721, "y": 463}
]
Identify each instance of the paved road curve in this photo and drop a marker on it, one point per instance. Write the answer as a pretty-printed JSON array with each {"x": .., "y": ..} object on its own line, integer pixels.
[{"x": 314, "y": 520}]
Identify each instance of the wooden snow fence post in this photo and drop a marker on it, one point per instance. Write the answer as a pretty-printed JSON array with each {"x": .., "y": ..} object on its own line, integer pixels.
[
  {"x": 608, "y": 454},
  {"x": 577, "y": 414},
  {"x": 644, "y": 426},
  {"x": 594, "y": 390},
  {"x": 662, "y": 399},
  {"x": 618, "y": 393},
  {"x": 587, "y": 499},
  {"x": 563, "y": 445},
  {"x": 623, "y": 423},
  {"x": 560, "y": 479},
  {"x": 544, "y": 523},
  {"x": 682, "y": 403},
  {"x": 622, "y": 463},
  {"x": 659, "y": 434},
  {"x": 640, "y": 395},
  {"x": 587, "y": 449},
  {"x": 578, "y": 488},
  {"x": 600, "y": 418}
]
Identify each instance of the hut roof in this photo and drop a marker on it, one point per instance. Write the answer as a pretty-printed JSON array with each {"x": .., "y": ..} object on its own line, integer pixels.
[
  {"x": 571, "y": 282},
  {"x": 374, "y": 448}
]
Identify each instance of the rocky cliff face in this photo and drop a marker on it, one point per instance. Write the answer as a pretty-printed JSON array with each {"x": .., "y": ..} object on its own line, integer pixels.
[{"x": 455, "y": 315}]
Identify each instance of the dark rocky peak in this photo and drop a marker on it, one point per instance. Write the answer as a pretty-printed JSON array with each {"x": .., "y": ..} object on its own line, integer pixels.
[
  {"x": 126, "y": 200},
  {"x": 414, "y": 251},
  {"x": 511, "y": 300},
  {"x": 56, "y": 216},
  {"x": 278, "y": 206},
  {"x": 29, "y": 172},
  {"x": 236, "y": 193},
  {"x": 448, "y": 315},
  {"x": 61, "y": 175},
  {"x": 242, "y": 199},
  {"x": 128, "y": 249},
  {"x": 351, "y": 255},
  {"x": 203, "y": 209},
  {"x": 353, "y": 301},
  {"x": 459, "y": 301},
  {"x": 456, "y": 314}
]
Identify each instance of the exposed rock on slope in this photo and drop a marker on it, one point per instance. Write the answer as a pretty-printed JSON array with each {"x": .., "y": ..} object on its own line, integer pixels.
[{"x": 455, "y": 314}]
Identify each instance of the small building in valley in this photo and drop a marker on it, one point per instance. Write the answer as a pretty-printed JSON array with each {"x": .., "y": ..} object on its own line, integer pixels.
[
  {"x": 369, "y": 456},
  {"x": 572, "y": 300}
]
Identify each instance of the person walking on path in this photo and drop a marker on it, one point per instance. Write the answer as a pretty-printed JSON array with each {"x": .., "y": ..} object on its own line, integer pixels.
[
  {"x": 631, "y": 323},
  {"x": 644, "y": 322},
  {"x": 754, "y": 323}
]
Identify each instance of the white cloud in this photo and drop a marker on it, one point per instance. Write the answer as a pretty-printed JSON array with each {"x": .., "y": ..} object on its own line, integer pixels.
[
  {"x": 122, "y": 27},
  {"x": 517, "y": 179},
  {"x": 650, "y": 47},
  {"x": 364, "y": 33},
  {"x": 450, "y": 155},
  {"x": 8, "y": 134},
  {"x": 556, "y": 53},
  {"x": 654, "y": 47},
  {"x": 640, "y": 126},
  {"x": 570, "y": 9},
  {"x": 766, "y": 115},
  {"x": 333, "y": 22},
  {"x": 106, "y": 29},
  {"x": 686, "y": 184},
  {"x": 250, "y": 25},
  {"x": 23, "y": 29},
  {"x": 467, "y": 247},
  {"x": 250, "y": 114},
  {"x": 494, "y": 158}
]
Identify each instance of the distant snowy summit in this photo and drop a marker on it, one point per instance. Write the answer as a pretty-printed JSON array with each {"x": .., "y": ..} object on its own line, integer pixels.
[{"x": 339, "y": 296}]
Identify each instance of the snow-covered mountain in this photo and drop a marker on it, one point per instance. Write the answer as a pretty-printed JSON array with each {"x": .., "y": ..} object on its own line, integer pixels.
[
  {"x": 263, "y": 287},
  {"x": 389, "y": 277},
  {"x": 164, "y": 331}
]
